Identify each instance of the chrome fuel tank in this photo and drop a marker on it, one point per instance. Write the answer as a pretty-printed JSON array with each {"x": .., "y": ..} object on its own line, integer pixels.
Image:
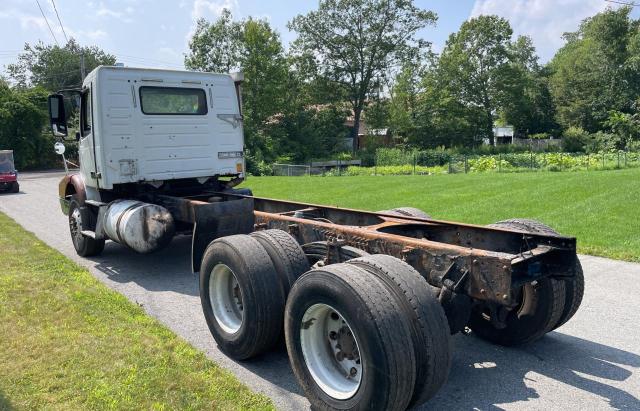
[{"x": 140, "y": 226}]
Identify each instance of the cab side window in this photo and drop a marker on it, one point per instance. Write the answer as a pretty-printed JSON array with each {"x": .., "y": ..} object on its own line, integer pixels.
[{"x": 85, "y": 113}]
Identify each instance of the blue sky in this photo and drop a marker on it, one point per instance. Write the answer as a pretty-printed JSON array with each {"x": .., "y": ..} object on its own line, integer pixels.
[{"x": 152, "y": 33}]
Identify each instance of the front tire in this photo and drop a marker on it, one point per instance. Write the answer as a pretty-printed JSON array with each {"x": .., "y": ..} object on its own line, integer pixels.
[
  {"x": 79, "y": 217},
  {"x": 348, "y": 340}
]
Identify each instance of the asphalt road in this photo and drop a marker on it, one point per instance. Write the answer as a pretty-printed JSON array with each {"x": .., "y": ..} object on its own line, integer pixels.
[{"x": 591, "y": 363}]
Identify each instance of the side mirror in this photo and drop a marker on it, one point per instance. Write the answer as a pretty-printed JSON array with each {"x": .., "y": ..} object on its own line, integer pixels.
[{"x": 57, "y": 115}]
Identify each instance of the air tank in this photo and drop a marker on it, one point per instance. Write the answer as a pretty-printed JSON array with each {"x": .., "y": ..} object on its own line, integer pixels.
[{"x": 140, "y": 226}]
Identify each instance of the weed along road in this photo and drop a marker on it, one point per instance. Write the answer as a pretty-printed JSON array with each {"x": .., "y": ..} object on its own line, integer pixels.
[{"x": 592, "y": 362}]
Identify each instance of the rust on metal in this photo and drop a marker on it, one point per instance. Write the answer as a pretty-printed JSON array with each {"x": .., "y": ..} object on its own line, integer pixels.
[{"x": 485, "y": 263}]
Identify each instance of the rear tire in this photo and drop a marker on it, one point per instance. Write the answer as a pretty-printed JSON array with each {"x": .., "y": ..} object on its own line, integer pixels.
[
  {"x": 373, "y": 335},
  {"x": 241, "y": 296},
  {"x": 541, "y": 306},
  {"x": 574, "y": 294},
  {"x": 407, "y": 212},
  {"x": 79, "y": 216},
  {"x": 15, "y": 187},
  {"x": 574, "y": 286},
  {"x": 287, "y": 256},
  {"x": 527, "y": 225},
  {"x": 429, "y": 326}
]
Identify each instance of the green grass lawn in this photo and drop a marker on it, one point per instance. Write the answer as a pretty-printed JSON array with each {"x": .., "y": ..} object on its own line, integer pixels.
[
  {"x": 68, "y": 342},
  {"x": 600, "y": 208}
]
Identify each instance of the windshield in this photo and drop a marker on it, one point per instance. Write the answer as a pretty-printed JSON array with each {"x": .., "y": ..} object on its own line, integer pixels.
[{"x": 6, "y": 162}]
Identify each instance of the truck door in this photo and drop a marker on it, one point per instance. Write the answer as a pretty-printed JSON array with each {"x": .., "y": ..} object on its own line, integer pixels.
[{"x": 87, "y": 143}]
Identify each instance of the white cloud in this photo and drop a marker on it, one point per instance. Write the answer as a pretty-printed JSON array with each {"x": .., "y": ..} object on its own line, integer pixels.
[
  {"x": 31, "y": 22},
  {"x": 123, "y": 16},
  {"x": 544, "y": 20},
  {"x": 92, "y": 34},
  {"x": 210, "y": 10}
]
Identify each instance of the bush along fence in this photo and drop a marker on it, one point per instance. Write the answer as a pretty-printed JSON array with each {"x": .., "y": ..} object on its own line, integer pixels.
[{"x": 396, "y": 162}]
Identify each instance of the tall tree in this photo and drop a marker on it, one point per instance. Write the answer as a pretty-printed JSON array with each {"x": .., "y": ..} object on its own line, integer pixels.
[
  {"x": 443, "y": 119},
  {"x": 405, "y": 93},
  {"x": 597, "y": 70},
  {"x": 22, "y": 117},
  {"x": 54, "y": 67},
  {"x": 528, "y": 105},
  {"x": 475, "y": 69},
  {"x": 255, "y": 48},
  {"x": 215, "y": 47},
  {"x": 356, "y": 42}
]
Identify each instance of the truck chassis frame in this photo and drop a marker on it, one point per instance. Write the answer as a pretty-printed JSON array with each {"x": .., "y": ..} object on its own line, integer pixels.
[{"x": 486, "y": 264}]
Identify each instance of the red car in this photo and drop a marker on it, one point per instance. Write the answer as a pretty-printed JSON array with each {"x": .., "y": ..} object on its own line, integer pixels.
[{"x": 8, "y": 173}]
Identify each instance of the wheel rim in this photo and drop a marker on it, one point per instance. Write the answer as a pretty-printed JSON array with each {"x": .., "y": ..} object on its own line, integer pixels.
[
  {"x": 331, "y": 351},
  {"x": 225, "y": 297},
  {"x": 75, "y": 226}
]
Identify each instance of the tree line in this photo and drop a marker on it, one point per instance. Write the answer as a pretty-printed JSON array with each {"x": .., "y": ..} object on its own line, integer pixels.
[{"x": 363, "y": 59}]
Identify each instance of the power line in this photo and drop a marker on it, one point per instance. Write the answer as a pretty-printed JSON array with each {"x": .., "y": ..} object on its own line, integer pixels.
[
  {"x": 623, "y": 2},
  {"x": 47, "y": 21},
  {"x": 59, "y": 21}
]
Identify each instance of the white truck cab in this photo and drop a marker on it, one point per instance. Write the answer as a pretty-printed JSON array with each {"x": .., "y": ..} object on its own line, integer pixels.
[
  {"x": 147, "y": 125},
  {"x": 147, "y": 136}
]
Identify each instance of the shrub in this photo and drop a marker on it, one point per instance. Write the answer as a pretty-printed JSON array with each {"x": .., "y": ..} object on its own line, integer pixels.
[
  {"x": 483, "y": 164},
  {"x": 574, "y": 139},
  {"x": 391, "y": 170},
  {"x": 539, "y": 136}
]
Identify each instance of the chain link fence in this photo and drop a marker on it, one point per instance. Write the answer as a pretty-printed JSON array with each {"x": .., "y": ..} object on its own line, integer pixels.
[
  {"x": 396, "y": 162},
  {"x": 291, "y": 170},
  {"x": 416, "y": 162}
]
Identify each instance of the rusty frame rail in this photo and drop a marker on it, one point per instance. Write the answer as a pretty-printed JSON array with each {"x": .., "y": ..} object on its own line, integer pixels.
[{"x": 487, "y": 264}]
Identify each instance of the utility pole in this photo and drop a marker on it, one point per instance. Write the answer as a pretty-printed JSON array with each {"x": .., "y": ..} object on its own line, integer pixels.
[{"x": 83, "y": 71}]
